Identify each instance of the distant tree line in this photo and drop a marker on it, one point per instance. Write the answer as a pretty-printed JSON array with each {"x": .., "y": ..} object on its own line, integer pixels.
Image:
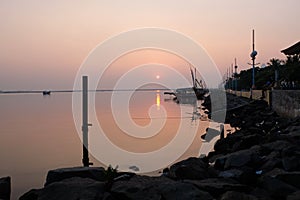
[{"x": 279, "y": 74}]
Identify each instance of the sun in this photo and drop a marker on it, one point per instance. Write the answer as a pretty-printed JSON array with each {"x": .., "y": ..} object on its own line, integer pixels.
[{"x": 157, "y": 77}]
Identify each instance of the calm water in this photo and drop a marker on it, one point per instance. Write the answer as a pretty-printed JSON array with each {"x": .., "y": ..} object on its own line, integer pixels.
[{"x": 38, "y": 132}]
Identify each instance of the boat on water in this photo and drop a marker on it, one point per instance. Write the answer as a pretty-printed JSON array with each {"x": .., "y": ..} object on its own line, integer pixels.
[
  {"x": 46, "y": 92},
  {"x": 198, "y": 86},
  {"x": 197, "y": 92}
]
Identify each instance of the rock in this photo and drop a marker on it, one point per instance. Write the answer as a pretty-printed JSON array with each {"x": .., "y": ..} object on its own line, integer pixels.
[
  {"x": 261, "y": 194},
  {"x": 271, "y": 161},
  {"x": 243, "y": 175},
  {"x": 108, "y": 196},
  {"x": 293, "y": 128},
  {"x": 144, "y": 188},
  {"x": 232, "y": 173},
  {"x": 275, "y": 146},
  {"x": 222, "y": 145},
  {"x": 274, "y": 172},
  {"x": 247, "y": 142},
  {"x": 5, "y": 188},
  {"x": 237, "y": 159},
  {"x": 95, "y": 173},
  {"x": 225, "y": 145},
  {"x": 210, "y": 134},
  {"x": 294, "y": 196},
  {"x": 212, "y": 156},
  {"x": 276, "y": 188},
  {"x": 294, "y": 135},
  {"x": 291, "y": 163},
  {"x": 291, "y": 178},
  {"x": 134, "y": 168},
  {"x": 136, "y": 187},
  {"x": 291, "y": 158},
  {"x": 179, "y": 190},
  {"x": 218, "y": 186},
  {"x": 237, "y": 195},
  {"x": 72, "y": 189},
  {"x": 191, "y": 168},
  {"x": 31, "y": 195}
]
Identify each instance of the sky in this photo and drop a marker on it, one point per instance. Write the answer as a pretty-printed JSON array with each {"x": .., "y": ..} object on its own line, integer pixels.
[{"x": 44, "y": 43}]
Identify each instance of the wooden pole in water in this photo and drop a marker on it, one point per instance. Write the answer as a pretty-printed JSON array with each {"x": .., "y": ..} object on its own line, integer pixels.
[
  {"x": 222, "y": 131},
  {"x": 85, "y": 158}
]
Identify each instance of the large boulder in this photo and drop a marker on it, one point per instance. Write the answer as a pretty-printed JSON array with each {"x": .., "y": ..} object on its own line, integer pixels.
[
  {"x": 72, "y": 189},
  {"x": 276, "y": 188},
  {"x": 271, "y": 161},
  {"x": 156, "y": 188},
  {"x": 225, "y": 145},
  {"x": 261, "y": 194},
  {"x": 238, "y": 159},
  {"x": 191, "y": 168},
  {"x": 275, "y": 146},
  {"x": 294, "y": 196},
  {"x": 291, "y": 178},
  {"x": 247, "y": 142},
  {"x": 179, "y": 190},
  {"x": 5, "y": 188},
  {"x": 244, "y": 175},
  {"x": 95, "y": 173},
  {"x": 218, "y": 186},
  {"x": 230, "y": 195},
  {"x": 291, "y": 158}
]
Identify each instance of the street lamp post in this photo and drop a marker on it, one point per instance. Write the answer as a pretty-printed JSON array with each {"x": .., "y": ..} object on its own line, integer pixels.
[
  {"x": 235, "y": 75},
  {"x": 253, "y": 56}
]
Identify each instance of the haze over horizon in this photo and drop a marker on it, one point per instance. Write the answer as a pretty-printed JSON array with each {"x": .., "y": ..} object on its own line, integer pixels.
[{"x": 43, "y": 44}]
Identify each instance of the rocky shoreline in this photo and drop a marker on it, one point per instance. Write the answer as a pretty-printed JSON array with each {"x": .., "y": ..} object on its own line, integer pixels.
[{"x": 260, "y": 160}]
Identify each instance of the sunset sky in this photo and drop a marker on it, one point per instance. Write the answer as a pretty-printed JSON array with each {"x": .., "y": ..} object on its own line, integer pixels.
[{"x": 43, "y": 43}]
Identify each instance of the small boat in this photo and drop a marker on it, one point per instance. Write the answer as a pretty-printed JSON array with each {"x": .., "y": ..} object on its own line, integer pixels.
[
  {"x": 197, "y": 92},
  {"x": 198, "y": 87},
  {"x": 46, "y": 92}
]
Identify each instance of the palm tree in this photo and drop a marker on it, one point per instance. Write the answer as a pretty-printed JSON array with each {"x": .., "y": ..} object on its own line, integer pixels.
[{"x": 275, "y": 63}]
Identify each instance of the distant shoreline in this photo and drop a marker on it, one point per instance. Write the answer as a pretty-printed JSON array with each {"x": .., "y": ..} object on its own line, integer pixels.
[{"x": 69, "y": 91}]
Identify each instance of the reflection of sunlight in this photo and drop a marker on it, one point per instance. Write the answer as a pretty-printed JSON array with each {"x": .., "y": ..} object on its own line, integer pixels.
[{"x": 158, "y": 101}]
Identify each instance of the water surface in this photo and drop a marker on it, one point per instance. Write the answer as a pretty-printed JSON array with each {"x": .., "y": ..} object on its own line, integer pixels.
[{"x": 38, "y": 132}]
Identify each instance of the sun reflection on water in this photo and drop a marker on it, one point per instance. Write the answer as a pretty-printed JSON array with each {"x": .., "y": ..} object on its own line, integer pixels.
[{"x": 157, "y": 100}]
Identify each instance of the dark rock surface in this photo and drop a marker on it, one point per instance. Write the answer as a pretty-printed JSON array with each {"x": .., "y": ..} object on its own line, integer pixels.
[
  {"x": 218, "y": 186},
  {"x": 294, "y": 196},
  {"x": 72, "y": 189},
  {"x": 95, "y": 173},
  {"x": 5, "y": 188},
  {"x": 259, "y": 161},
  {"x": 230, "y": 195},
  {"x": 142, "y": 187},
  {"x": 192, "y": 168}
]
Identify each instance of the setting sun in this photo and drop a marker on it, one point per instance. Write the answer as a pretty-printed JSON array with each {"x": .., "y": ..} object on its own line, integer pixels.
[{"x": 157, "y": 76}]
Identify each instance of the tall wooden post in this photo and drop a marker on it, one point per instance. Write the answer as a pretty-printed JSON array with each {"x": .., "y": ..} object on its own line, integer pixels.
[{"x": 85, "y": 129}]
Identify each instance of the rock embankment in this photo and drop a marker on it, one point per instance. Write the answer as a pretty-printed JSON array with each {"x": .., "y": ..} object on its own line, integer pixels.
[
  {"x": 5, "y": 188},
  {"x": 259, "y": 161}
]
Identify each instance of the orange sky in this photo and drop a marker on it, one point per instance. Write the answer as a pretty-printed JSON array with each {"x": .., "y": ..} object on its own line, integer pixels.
[{"x": 44, "y": 43}]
